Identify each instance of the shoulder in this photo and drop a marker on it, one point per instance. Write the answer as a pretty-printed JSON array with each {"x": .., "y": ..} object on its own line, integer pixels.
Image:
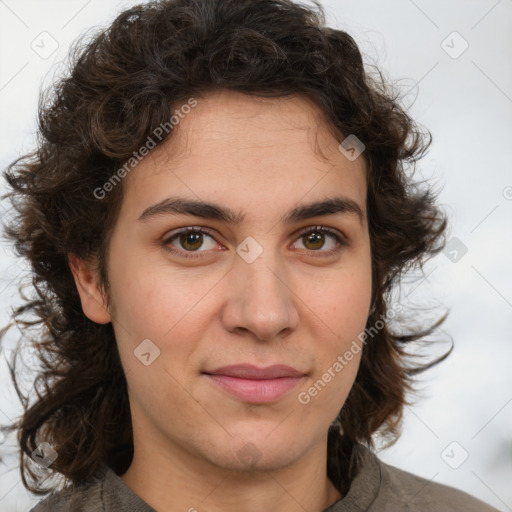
[
  {"x": 417, "y": 494},
  {"x": 83, "y": 498},
  {"x": 103, "y": 492}
]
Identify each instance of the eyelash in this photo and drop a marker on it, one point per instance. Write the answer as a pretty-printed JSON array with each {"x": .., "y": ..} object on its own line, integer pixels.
[{"x": 340, "y": 239}]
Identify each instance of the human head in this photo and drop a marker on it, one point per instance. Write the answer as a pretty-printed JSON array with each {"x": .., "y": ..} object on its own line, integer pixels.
[{"x": 122, "y": 88}]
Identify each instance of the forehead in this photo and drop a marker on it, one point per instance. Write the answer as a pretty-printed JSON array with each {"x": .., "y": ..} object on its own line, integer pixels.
[
  {"x": 233, "y": 146},
  {"x": 241, "y": 121}
]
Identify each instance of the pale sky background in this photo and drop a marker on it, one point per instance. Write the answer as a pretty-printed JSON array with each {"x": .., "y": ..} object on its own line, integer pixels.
[{"x": 461, "y": 85}]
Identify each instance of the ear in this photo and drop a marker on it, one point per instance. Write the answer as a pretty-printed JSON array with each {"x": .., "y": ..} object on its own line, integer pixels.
[{"x": 91, "y": 293}]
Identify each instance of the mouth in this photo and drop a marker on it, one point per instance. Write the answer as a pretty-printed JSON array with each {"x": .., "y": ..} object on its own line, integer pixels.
[{"x": 256, "y": 385}]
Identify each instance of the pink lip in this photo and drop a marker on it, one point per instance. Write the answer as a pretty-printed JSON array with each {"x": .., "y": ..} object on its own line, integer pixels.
[{"x": 256, "y": 385}]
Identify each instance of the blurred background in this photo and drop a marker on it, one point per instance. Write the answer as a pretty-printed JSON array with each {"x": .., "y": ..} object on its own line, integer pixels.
[{"x": 453, "y": 63}]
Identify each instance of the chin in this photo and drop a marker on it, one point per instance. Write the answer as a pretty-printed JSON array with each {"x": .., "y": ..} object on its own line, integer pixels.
[{"x": 258, "y": 453}]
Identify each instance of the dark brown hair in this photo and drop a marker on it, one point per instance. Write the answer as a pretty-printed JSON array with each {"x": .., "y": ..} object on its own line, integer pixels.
[{"x": 123, "y": 84}]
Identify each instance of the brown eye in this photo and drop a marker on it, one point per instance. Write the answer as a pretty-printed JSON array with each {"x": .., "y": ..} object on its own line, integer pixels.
[
  {"x": 191, "y": 241},
  {"x": 321, "y": 240},
  {"x": 313, "y": 240}
]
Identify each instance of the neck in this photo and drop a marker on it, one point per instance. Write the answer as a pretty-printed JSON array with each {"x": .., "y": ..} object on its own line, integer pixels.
[{"x": 175, "y": 480}]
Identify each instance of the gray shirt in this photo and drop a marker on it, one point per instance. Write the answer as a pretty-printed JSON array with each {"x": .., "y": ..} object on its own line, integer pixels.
[{"x": 377, "y": 487}]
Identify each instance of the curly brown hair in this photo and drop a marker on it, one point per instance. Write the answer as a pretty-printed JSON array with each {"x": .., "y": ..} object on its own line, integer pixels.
[{"x": 123, "y": 84}]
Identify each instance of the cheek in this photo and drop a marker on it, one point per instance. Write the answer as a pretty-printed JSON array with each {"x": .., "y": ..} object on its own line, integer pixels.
[
  {"x": 341, "y": 301},
  {"x": 153, "y": 299},
  {"x": 171, "y": 308},
  {"x": 326, "y": 391},
  {"x": 341, "y": 312}
]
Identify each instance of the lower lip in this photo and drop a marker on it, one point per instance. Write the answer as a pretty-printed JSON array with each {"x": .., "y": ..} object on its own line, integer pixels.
[{"x": 256, "y": 391}]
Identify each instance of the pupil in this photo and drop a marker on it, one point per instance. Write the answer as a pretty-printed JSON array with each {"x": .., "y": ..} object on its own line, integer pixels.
[
  {"x": 315, "y": 239},
  {"x": 191, "y": 241}
]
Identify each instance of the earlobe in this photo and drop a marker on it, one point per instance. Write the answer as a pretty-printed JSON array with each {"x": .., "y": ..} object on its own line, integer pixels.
[{"x": 88, "y": 285}]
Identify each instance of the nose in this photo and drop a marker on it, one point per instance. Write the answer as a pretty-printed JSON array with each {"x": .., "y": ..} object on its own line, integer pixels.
[{"x": 260, "y": 300}]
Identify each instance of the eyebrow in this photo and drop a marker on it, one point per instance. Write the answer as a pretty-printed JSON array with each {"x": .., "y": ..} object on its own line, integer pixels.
[{"x": 205, "y": 210}]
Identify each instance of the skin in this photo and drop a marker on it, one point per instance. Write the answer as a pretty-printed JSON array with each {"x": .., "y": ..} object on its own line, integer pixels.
[{"x": 294, "y": 304}]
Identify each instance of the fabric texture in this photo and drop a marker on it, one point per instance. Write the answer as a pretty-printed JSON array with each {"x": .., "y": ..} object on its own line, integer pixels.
[{"x": 377, "y": 487}]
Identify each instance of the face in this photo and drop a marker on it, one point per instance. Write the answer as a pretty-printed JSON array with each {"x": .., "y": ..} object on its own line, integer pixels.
[{"x": 259, "y": 278}]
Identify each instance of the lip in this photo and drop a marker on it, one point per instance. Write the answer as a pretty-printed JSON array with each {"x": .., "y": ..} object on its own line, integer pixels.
[
  {"x": 249, "y": 371},
  {"x": 256, "y": 385}
]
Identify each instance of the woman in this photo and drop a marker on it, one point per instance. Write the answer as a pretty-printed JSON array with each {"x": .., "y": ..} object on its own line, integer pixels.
[{"x": 216, "y": 216}]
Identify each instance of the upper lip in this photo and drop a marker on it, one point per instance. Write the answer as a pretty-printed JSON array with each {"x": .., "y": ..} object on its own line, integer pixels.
[{"x": 249, "y": 371}]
